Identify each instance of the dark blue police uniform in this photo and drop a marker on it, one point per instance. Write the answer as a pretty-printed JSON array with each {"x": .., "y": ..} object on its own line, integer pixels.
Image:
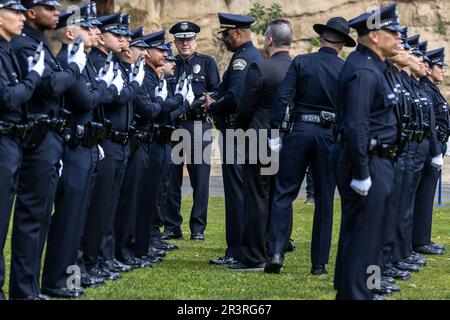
[
  {"x": 423, "y": 208},
  {"x": 149, "y": 217},
  {"x": 205, "y": 78},
  {"x": 224, "y": 112},
  {"x": 147, "y": 108},
  {"x": 15, "y": 91},
  {"x": 82, "y": 137},
  {"x": 369, "y": 128},
  {"x": 98, "y": 243},
  {"x": 311, "y": 82},
  {"x": 39, "y": 171}
]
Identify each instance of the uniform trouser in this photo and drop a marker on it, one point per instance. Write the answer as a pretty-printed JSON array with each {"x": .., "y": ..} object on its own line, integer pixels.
[
  {"x": 148, "y": 219},
  {"x": 257, "y": 201},
  {"x": 199, "y": 177},
  {"x": 103, "y": 204},
  {"x": 396, "y": 207},
  {"x": 37, "y": 184},
  {"x": 131, "y": 194},
  {"x": 234, "y": 195},
  {"x": 10, "y": 159},
  {"x": 306, "y": 143},
  {"x": 423, "y": 208},
  {"x": 420, "y": 151},
  {"x": 362, "y": 227},
  {"x": 67, "y": 223}
]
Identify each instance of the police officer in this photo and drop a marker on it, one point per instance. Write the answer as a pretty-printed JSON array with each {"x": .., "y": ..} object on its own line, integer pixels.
[
  {"x": 368, "y": 131},
  {"x": 397, "y": 255},
  {"x": 43, "y": 149},
  {"x": 424, "y": 144},
  {"x": 254, "y": 114},
  {"x": 423, "y": 208},
  {"x": 82, "y": 136},
  {"x": 98, "y": 235},
  {"x": 15, "y": 90},
  {"x": 312, "y": 83},
  {"x": 403, "y": 175},
  {"x": 205, "y": 78},
  {"x": 236, "y": 36},
  {"x": 147, "y": 107},
  {"x": 148, "y": 236}
]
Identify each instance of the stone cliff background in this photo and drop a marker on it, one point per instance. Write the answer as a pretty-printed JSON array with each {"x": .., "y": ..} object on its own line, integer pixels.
[{"x": 430, "y": 18}]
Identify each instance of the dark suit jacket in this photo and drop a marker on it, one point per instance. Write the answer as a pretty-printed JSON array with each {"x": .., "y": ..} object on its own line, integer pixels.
[{"x": 261, "y": 85}]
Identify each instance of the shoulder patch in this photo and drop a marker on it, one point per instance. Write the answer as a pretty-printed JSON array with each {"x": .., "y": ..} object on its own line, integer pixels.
[{"x": 239, "y": 64}]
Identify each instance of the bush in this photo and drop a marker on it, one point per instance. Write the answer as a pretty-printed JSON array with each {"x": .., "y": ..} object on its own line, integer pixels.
[{"x": 264, "y": 16}]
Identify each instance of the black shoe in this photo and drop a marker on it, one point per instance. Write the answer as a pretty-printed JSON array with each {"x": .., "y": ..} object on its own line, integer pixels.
[
  {"x": 114, "y": 266},
  {"x": 382, "y": 291},
  {"x": 88, "y": 280},
  {"x": 162, "y": 245},
  {"x": 103, "y": 272},
  {"x": 389, "y": 280},
  {"x": 428, "y": 249},
  {"x": 309, "y": 200},
  {"x": 172, "y": 235},
  {"x": 438, "y": 246},
  {"x": 65, "y": 293},
  {"x": 243, "y": 267},
  {"x": 197, "y": 237},
  {"x": 223, "y": 260},
  {"x": 274, "y": 263},
  {"x": 378, "y": 297},
  {"x": 290, "y": 246},
  {"x": 136, "y": 263},
  {"x": 396, "y": 274},
  {"x": 151, "y": 259},
  {"x": 416, "y": 259},
  {"x": 318, "y": 269},
  {"x": 153, "y": 251},
  {"x": 390, "y": 286},
  {"x": 403, "y": 266}
]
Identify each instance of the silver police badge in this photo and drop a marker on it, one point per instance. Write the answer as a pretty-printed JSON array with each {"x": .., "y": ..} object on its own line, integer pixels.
[
  {"x": 239, "y": 64},
  {"x": 197, "y": 68},
  {"x": 184, "y": 26}
]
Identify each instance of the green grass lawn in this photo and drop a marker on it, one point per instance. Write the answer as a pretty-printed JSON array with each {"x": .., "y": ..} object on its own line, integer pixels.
[{"x": 186, "y": 274}]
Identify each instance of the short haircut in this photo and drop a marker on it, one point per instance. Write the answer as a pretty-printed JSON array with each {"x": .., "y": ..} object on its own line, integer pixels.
[{"x": 280, "y": 31}]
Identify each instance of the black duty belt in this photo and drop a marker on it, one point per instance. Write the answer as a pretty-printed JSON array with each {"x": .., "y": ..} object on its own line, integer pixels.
[
  {"x": 442, "y": 136},
  {"x": 197, "y": 115},
  {"x": 385, "y": 151},
  {"x": 418, "y": 135},
  {"x": 324, "y": 118},
  {"x": 88, "y": 135},
  {"x": 14, "y": 130},
  {"x": 118, "y": 137}
]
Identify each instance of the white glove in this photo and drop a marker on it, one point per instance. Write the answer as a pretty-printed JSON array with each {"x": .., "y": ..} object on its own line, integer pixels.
[
  {"x": 78, "y": 58},
  {"x": 118, "y": 83},
  {"x": 437, "y": 162},
  {"x": 39, "y": 67},
  {"x": 163, "y": 92},
  {"x": 361, "y": 187},
  {"x": 183, "y": 90},
  {"x": 108, "y": 77},
  {"x": 140, "y": 75},
  {"x": 190, "y": 95},
  {"x": 275, "y": 144},
  {"x": 101, "y": 153}
]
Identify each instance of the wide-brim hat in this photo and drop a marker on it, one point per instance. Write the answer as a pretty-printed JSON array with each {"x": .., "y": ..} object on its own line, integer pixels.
[{"x": 338, "y": 25}]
